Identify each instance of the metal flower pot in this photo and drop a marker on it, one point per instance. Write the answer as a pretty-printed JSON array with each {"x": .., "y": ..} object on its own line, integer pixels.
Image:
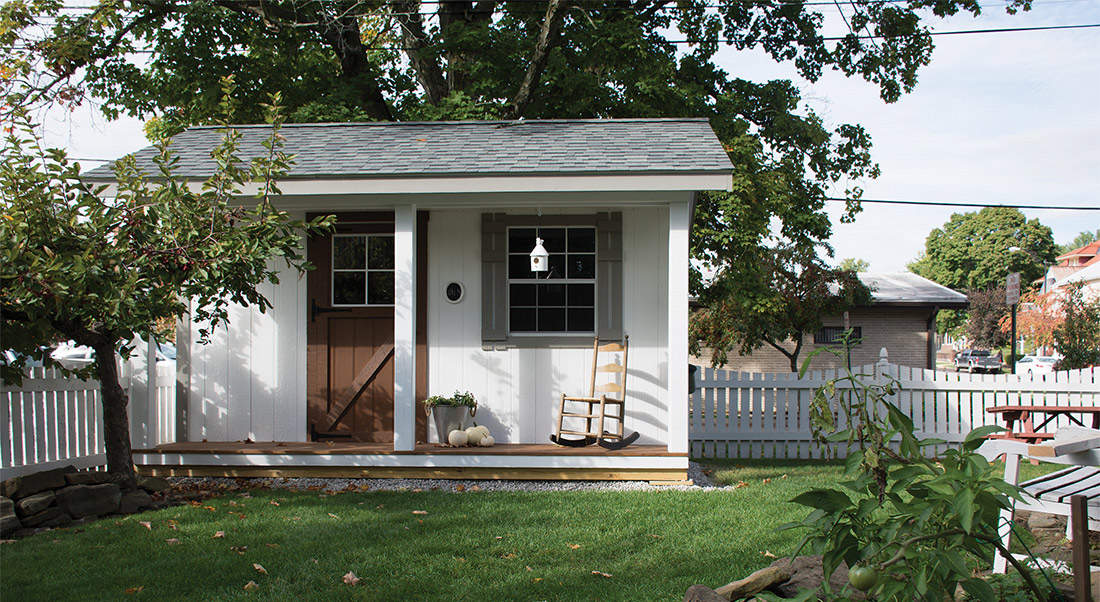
[{"x": 449, "y": 418}]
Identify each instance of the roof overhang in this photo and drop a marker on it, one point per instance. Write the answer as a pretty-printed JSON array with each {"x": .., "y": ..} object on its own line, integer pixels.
[{"x": 485, "y": 191}]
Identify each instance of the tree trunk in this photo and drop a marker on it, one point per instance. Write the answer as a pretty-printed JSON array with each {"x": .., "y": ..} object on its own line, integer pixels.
[{"x": 116, "y": 421}]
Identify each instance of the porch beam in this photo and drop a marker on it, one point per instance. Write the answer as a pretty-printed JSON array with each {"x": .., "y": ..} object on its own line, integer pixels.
[
  {"x": 679, "y": 231},
  {"x": 404, "y": 328}
]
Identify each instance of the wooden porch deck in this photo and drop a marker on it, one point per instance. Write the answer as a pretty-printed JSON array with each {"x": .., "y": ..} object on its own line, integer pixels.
[{"x": 427, "y": 461}]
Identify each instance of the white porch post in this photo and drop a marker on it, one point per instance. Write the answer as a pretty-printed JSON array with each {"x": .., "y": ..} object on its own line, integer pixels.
[
  {"x": 404, "y": 329},
  {"x": 679, "y": 230}
]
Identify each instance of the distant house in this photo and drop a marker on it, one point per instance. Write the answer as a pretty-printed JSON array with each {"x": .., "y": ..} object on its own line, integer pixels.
[
  {"x": 1082, "y": 264},
  {"x": 902, "y": 319}
]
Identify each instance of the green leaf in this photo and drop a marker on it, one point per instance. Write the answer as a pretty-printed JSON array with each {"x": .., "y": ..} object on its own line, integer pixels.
[
  {"x": 979, "y": 589},
  {"x": 828, "y": 500},
  {"x": 965, "y": 509}
]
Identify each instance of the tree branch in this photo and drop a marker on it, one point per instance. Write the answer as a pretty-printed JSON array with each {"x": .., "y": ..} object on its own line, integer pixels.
[
  {"x": 425, "y": 61},
  {"x": 551, "y": 25}
]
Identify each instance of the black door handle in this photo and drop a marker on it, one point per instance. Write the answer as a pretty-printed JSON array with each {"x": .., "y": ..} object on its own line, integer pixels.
[{"x": 316, "y": 309}]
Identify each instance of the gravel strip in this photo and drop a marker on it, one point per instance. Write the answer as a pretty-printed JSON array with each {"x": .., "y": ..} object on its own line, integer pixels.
[{"x": 700, "y": 482}]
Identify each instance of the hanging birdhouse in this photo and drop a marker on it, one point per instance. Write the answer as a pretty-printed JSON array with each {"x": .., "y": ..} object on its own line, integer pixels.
[{"x": 540, "y": 259}]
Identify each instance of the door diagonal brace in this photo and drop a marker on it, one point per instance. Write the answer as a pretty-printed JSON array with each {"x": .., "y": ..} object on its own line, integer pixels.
[{"x": 362, "y": 380}]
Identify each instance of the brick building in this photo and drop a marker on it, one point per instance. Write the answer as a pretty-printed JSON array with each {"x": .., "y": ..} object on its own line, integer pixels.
[{"x": 902, "y": 319}]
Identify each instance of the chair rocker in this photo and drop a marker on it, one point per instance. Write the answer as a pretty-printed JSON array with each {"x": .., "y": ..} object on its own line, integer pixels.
[{"x": 586, "y": 420}]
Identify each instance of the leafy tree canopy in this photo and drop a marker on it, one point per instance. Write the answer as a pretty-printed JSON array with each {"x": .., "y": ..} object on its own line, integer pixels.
[
  {"x": 983, "y": 324},
  {"x": 854, "y": 264},
  {"x": 337, "y": 60},
  {"x": 76, "y": 264},
  {"x": 1078, "y": 335},
  {"x": 973, "y": 251},
  {"x": 1081, "y": 240}
]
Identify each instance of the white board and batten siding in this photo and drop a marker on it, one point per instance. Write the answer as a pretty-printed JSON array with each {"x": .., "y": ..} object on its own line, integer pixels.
[
  {"x": 766, "y": 415},
  {"x": 518, "y": 389},
  {"x": 249, "y": 381}
]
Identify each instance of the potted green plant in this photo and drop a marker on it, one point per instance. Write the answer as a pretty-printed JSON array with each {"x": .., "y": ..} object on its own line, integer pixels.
[{"x": 450, "y": 413}]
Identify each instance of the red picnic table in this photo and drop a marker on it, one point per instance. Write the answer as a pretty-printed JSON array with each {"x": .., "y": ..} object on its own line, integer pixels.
[{"x": 1028, "y": 429}]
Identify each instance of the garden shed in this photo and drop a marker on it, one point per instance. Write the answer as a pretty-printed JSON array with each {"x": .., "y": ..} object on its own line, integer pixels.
[{"x": 425, "y": 288}]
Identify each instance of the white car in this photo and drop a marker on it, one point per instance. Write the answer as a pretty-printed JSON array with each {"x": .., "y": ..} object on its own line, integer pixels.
[{"x": 1036, "y": 364}]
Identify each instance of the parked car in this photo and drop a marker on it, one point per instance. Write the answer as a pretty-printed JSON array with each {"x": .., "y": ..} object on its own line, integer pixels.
[
  {"x": 977, "y": 360},
  {"x": 1036, "y": 364}
]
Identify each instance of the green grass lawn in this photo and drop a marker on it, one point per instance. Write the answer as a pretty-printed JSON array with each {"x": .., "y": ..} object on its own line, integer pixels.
[{"x": 429, "y": 545}]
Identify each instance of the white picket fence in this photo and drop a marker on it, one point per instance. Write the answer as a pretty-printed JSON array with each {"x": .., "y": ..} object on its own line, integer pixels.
[
  {"x": 51, "y": 421},
  {"x": 754, "y": 415}
]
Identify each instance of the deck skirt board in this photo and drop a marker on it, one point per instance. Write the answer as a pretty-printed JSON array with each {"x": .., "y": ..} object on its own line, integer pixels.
[
  {"x": 361, "y": 448},
  {"x": 427, "y": 461}
]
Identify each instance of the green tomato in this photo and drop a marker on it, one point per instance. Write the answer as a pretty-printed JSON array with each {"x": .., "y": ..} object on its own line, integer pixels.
[{"x": 862, "y": 578}]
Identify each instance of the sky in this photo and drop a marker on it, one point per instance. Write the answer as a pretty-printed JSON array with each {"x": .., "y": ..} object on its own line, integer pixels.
[{"x": 1007, "y": 118}]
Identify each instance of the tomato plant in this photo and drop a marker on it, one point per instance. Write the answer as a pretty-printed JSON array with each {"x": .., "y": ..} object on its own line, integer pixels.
[{"x": 913, "y": 527}]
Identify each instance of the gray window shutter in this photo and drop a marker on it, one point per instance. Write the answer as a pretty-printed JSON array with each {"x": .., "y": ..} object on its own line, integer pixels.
[
  {"x": 494, "y": 277},
  {"x": 609, "y": 276}
]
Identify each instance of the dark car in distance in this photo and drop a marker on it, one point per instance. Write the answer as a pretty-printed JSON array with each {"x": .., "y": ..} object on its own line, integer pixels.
[{"x": 977, "y": 360}]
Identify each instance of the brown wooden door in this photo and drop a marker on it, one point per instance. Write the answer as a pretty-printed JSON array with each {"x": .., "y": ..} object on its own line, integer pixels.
[{"x": 350, "y": 371}]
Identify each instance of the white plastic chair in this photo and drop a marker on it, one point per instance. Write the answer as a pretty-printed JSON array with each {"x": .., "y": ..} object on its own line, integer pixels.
[{"x": 1076, "y": 447}]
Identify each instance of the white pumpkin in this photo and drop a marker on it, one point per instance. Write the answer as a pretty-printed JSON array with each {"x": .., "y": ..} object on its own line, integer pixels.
[
  {"x": 457, "y": 438},
  {"x": 474, "y": 435},
  {"x": 484, "y": 430},
  {"x": 487, "y": 441}
]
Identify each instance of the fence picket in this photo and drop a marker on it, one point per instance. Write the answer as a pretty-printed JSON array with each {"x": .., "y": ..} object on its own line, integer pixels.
[{"x": 768, "y": 415}]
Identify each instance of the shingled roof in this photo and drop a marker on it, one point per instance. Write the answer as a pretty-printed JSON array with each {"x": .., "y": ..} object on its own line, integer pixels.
[
  {"x": 908, "y": 289},
  {"x": 403, "y": 149}
]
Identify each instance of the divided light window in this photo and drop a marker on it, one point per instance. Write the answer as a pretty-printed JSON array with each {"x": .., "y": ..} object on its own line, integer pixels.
[
  {"x": 362, "y": 269},
  {"x": 831, "y": 334},
  {"x": 562, "y": 299}
]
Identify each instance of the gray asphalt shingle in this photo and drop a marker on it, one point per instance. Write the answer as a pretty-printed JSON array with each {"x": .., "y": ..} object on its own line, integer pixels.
[{"x": 485, "y": 147}]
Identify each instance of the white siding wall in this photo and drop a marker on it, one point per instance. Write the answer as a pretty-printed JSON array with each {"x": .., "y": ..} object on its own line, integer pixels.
[
  {"x": 250, "y": 381},
  {"x": 518, "y": 389}
]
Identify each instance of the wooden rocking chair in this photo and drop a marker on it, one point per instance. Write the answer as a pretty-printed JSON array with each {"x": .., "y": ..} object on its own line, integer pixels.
[{"x": 596, "y": 413}]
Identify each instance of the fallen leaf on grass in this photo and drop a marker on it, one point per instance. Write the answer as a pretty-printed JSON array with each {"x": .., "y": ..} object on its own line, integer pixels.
[
  {"x": 240, "y": 549},
  {"x": 211, "y": 508},
  {"x": 351, "y": 579},
  {"x": 509, "y": 556},
  {"x": 259, "y": 568},
  {"x": 146, "y": 524},
  {"x": 768, "y": 554},
  {"x": 334, "y": 516},
  {"x": 272, "y": 545},
  {"x": 173, "y": 541},
  {"x": 134, "y": 590},
  {"x": 656, "y": 536},
  {"x": 740, "y": 484},
  {"x": 419, "y": 511},
  {"x": 219, "y": 534},
  {"x": 251, "y": 586},
  {"x": 536, "y": 579},
  {"x": 529, "y": 569},
  {"x": 274, "y": 503},
  {"x": 604, "y": 575},
  {"x": 573, "y": 546}
]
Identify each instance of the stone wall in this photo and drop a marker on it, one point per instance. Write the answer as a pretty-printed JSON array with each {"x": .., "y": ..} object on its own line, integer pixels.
[{"x": 55, "y": 498}]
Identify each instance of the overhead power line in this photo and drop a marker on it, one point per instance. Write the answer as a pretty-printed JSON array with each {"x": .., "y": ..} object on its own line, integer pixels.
[{"x": 983, "y": 205}]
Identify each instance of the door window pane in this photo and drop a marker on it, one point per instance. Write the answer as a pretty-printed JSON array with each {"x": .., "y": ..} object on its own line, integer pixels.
[
  {"x": 362, "y": 269},
  {"x": 349, "y": 288}
]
